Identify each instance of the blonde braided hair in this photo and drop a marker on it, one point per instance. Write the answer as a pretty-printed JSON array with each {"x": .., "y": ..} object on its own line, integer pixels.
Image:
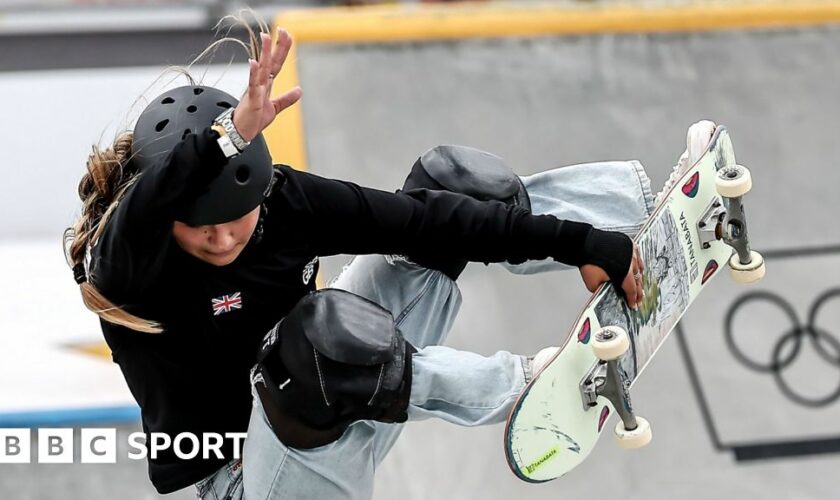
[
  {"x": 108, "y": 178},
  {"x": 100, "y": 190}
]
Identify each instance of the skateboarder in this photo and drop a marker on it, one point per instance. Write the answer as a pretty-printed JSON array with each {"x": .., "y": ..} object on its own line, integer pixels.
[{"x": 191, "y": 246}]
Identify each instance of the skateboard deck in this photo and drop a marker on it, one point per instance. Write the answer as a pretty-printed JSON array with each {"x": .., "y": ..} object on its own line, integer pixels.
[{"x": 551, "y": 429}]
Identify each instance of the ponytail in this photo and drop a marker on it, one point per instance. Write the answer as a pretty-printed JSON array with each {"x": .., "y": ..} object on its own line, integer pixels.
[
  {"x": 101, "y": 188},
  {"x": 108, "y": 177}
]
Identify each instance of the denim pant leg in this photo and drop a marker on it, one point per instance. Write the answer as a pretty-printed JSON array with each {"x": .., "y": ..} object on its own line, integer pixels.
[
  {"x": 424, "y": 304},
  {"x": 468, "y": 389},
  {"x": 224, "y": 484},
  {"x": 610, "y": 195},
  {"x": 461, "y": 387},
  {"x": 341, "y": 470},
  {"x": 458, "y": 386}
]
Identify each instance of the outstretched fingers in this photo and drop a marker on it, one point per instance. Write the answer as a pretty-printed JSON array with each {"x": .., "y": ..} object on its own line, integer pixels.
[
  {"x": 259, "y": 77},
  {"x": 264, "y": 59},
  {"x": 282, "y": 46},
  {"x": 255, "y": 90},
  {"x": 286, "y": 100}
]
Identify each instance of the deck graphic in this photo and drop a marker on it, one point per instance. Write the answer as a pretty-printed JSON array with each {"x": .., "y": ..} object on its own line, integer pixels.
[{"x": 666, "y": 295}]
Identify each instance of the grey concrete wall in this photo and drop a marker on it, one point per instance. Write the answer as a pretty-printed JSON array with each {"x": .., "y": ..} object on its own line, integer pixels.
[{"x": 371, "y": 110}]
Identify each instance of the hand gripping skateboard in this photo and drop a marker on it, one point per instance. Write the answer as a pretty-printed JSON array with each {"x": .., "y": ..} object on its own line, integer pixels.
[{"x": 700, "y": 226}]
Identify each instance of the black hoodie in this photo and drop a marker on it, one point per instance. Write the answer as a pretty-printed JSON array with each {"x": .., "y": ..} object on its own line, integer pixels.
[{"x": 194, "y": 377}]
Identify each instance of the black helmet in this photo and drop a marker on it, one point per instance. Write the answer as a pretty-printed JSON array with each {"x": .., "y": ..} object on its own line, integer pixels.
[{"x": 246, "y": 179}]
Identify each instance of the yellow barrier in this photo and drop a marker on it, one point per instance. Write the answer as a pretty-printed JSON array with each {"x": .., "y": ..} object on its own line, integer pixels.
[
  {"x": 395, "y": 23},
  {"x": 470, "y": 20}
]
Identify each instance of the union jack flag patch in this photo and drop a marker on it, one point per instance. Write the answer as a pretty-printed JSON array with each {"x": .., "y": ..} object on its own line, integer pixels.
[{"x": 227, "y": 303}]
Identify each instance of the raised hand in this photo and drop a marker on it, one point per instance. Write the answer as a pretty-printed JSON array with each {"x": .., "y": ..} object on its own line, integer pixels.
[{"x": 256, "y": 109}]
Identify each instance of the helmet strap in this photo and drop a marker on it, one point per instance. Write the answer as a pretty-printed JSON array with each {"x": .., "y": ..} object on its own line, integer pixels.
[{"x": 257, "y": 236}]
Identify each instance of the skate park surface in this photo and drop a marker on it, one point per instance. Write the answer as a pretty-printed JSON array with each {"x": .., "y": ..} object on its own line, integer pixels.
[{"x": 539, "y": 102}]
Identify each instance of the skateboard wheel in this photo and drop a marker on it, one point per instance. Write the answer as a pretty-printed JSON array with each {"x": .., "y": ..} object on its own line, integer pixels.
[
  {"x": 610, "y": 343},
  {"x": 637, "y": 438},
  {"x": 734, "y": 181},
  {"x": 747, "y": 273}
]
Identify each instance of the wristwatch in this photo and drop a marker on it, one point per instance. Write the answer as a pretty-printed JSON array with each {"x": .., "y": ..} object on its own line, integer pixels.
[
  {"x": 229, "y": 140},
  {"x": 224, "y": 141}
]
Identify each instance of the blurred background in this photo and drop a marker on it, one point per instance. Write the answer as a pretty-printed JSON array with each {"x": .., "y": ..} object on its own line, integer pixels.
[{"x": 542, "y": 84}]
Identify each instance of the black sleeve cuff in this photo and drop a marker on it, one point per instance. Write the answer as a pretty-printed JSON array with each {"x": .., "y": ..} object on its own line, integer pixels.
[{"x": 611, "y": 251}]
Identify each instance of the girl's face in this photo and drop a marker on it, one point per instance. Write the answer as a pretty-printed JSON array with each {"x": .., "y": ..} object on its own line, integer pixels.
[{"x": 219, "y": 244}]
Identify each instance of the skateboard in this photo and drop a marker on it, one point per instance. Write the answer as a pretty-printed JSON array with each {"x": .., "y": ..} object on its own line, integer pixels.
[{"x": 697, "y": 230}]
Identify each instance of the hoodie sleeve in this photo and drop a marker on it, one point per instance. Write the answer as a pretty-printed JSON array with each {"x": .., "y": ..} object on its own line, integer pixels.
[{"x": 342, "y": 217}]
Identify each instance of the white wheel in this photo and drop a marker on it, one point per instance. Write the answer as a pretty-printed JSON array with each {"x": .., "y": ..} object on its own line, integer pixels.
[
  {"x": 637, "y": 438},
  {"x": 610, "y": 343},
  {"x": 734, "y": 181},
  {"x": 747, "y": 273}
]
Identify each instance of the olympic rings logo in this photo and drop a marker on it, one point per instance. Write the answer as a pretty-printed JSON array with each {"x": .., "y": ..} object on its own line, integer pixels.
[{"x": 826, "y": 345}]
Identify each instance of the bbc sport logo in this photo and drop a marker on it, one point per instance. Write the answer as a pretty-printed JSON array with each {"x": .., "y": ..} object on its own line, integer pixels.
[{"x": 99, "y": 445}]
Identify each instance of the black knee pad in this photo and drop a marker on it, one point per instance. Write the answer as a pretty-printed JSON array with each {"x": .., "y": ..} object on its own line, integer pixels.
[
  {"x": 336, "y": 358},
  {"x": 468, "y": 171}
]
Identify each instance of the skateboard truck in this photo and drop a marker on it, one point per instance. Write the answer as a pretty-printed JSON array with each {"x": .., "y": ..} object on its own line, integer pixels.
[
  {"x": 605, "y": 379},
  {"x": 725, "y": 220}
]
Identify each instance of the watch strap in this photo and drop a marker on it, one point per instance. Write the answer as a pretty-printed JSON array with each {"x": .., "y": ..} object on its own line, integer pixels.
[
  {"x": 227, "y": 146},
  {"x": 226, "y": 121}
]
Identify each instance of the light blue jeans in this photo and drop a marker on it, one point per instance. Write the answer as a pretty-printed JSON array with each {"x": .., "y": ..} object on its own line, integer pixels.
[{"x": 457, "y": 386}]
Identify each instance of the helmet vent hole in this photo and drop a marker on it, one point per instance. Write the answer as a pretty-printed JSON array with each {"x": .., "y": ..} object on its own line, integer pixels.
[
  {"x": 224, "y": 104},
  {"x": 192, "y": 109},
  {"x": 185, "y": 134},
  {"x": 168, "y": 100},
  {"x": 161, "y": 125},
  {"x": 243, "y": 173},
  {"x": 197, "y": 91}
]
